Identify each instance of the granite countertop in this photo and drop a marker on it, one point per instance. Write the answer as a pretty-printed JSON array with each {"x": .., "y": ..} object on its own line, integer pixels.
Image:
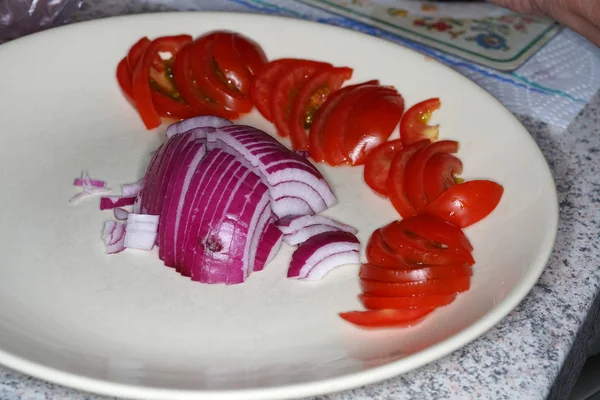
[{"x": 534, "y": 353}]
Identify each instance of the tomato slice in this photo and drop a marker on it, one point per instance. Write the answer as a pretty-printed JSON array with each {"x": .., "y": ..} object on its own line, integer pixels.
[
  {"x": 371, "y": 122},
  {"x": 397, "y": 178},
  {"x": 437, "y": 230},
  {"x": 230, "y": 62},
  {"x": 413, "y": 126},
  {"x": 374, "y": 273},
  {"x": 285, "y": 89},
  {"x": 380, "y": 254},
  {"x": 191, "y": 93},
  {"x": 419, "y": 302},
  {"x": 440, "y": 174},
  {"x": 167, "y": 107},
  {"x": 263, "y": 84},
  {"x": 414, "y": 183},
  {"x": 251, "y": 52},
  {"x": 124, "y": 78},
  {"x": 321, "y": 116},
  {"x": 467, "y": 203},
  {"x": 421, "y": 250},
  {"x": 377, "y": 165},
  {"x": 211, "y": 80},
  {"x": 385, "y": 318},
  {"x": 429, "y": 287},
  {"x": 136, "y": 51},
  {"x": 142, "y": 92},
  {"x": 309, "y": 99},
  {"x": 335, "y": 126}
]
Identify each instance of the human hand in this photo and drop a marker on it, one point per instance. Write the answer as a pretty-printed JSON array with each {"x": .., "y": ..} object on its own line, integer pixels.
[{"x": 582, "y": 16}]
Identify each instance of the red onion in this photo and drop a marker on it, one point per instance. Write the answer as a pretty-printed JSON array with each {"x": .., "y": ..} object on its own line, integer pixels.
[
  {"x": 110, "y": 202},
  {"x": 202, "y": 121},
  {"x": 114, "y": 237},
  {"x": 121, "y": 214},
  {"x": 132, "y": 189},
  {"x": 297, "y": 229},
  {"x": 314, "y": 258},
  {"x": 141, "y": 231}
]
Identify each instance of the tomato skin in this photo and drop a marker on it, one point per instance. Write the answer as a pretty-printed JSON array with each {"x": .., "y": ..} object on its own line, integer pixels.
[
  {"x": 414, "y": 247},
  {"x": 467, "y": 203},
  {"x": 415, "y": 169},
  {"x": 377, "y": 165},
  {"x": 286, "y": 87},
  {"x": 263, "y": 84},
  {"x": 142, "y": 93},
  {"x": 413, "y": 126},
  {"x": 321, "y": 117},
  {"x": 229, "y": 61},
  {"x": 124, "y": 78},
  {"x": 437, "y": 230},
  {"x": 412, "y": 302},
  {"x": 385, "y": 318},
  {"x": 397, "y": 178},
  {"x": 251, "y": 52},
  {"x": 440, "y": 173},
  {"x": 380, "y": 254},
  {"x": 328, "y": 81},
  {"x": 429, "y": 287},
  {"x": 426, "y": 272},
  {"x": 371, "y": 122}
]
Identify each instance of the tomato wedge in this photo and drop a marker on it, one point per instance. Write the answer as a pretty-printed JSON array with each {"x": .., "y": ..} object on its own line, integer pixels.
[
  {"x": 142, "y": 92},
  {"x": 136, "y": 51},
  {"x": 167, "y": 107},
  {"x": 371, "y": 121},
  {"x": 436, "y": 230},
  {"x": 440, "y": 174},
  {"x": 429, "y": 287},
  {"x": 374, "y": 273},
  {"x": 415, "y": 171},
  {"x": 413, "y": 126},
  {"x": 321, "y": 116},
  {"x": 385, "y": 318},
  {"x": 421, "y": 250},
  {"x": 380, "y": 254},
  {"x": 309, "y": 99},
  {"x": 418, "y": 302},
  {"x": 230, "y": 62},
  {"x": 285, "y": 89},
  {"x": 377, "y": 165},
  {"x": 253, "y": 55},
  {"x": 397, "y": 178},
  {"x": 467, "y": 203},
  {"x": 124, "y": 78},
  {"x": 263, "y": 84}
]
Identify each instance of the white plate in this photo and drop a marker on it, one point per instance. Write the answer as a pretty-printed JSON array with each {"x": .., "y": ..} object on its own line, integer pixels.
[{"x": 125, "y": 325}]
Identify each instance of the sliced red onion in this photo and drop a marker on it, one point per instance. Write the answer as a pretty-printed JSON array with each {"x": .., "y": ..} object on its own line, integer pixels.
[
  {"x": 87, "y": 183},
  {"x": 302, "y": 235},
  {"x": 114, "y": 237},
  {"x": 132, "y": 189},
  {"x": 292, "y": 224},
  {"x": 267, "y": 248},
  {"x": 141, "y": 235},
  {"x": 121, "y": 213},
  {"x": 320, "y": 254},
  {"x": 142, "y": 218},
  {"x": 86, "y": 193},
  {"x": 202, "y": 121},
  {"x": 111, "y": 202}
]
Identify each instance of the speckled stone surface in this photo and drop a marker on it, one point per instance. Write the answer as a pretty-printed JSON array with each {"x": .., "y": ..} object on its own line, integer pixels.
[{"x": 539, "y": 349}]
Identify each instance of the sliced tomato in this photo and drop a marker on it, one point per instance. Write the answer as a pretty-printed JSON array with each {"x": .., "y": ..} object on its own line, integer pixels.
[
  {"x": 381, "y": 255},
  {"x": 397, "y": 178},
  {"x": 440, "y": 174},
  {"x": 385, "y": 318},
  {"x": 309, "y": 99},
  {"x": 263, "y": 84},
  {"x": 371, "y": 122},
  {"x": 210, "y": 79},
  {"x": 191, "y": 93},
  {"x": 374, "y": 273},
  {"x": 429, "y": 287},
  {"x": 136, "y": 51},
  {"x": 466, "y": 203},
  {"x": 414, "y": 183},
  {"x": 285, "y": 89},
  {"x": 414, "y": 127},
  {"x": 167, "y": 107},
  {"x": 251, "y": 52},
  {"x": 124, "y": 78},
  {"x": 335, "y": 126},
  {"x": 437, "y": 230},
  {"x": 421, "y": 250},
  {"x": 419, "y": 302},
  {"x": 321, "y": 116},
  {"x": 142, "y": 92},
  {"x": 230, "y": 62},
  {"x": 377, "y": 165}
]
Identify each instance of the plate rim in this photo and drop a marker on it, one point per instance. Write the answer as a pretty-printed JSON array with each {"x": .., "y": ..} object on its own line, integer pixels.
[{"x": 316, "y": 387}]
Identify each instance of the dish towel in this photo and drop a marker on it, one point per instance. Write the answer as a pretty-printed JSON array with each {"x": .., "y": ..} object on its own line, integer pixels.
[{"x": 552, "y": 86}]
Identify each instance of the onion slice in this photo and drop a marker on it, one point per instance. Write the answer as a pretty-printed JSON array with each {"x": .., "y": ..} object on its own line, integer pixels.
[
  {"x": 132, "y": 189},
  {"x": 298, "y": 229},
  {"x": 320, "y": 254},
  {"x": 113, "y": 236},
  {"x": 111, "y": 202},
  {"x": 121, "y": 214},
  {"x": 203, "y": 121}
]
